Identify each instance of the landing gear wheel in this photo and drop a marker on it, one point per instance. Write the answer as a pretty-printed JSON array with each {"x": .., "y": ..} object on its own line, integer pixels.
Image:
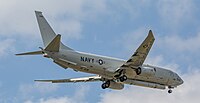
[
  {"x": 170, "y": 91},
  {"x": 105, "y": 85},
  {"x": 138, "y": 71},
  {"x": 123, "y": 78}
]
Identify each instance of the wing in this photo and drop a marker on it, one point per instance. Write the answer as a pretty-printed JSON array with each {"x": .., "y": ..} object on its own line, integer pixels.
[
  {"x": 74, "y": 80},
  {"x": 138, "y": 58}
]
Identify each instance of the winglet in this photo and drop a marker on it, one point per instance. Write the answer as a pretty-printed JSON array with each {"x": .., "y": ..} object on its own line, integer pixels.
[
  {"x": 151, "y": 34},
  {"x": 54, "y": 45},
  {"x": 147, "y": 43}
]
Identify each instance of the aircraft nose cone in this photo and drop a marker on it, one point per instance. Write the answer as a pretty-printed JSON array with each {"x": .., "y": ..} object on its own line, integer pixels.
[{"x": 181, "y": 82}]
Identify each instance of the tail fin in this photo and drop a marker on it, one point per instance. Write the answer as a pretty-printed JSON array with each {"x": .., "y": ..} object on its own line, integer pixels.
[
  {"x": 54, "y": 45},
  {"x": 46, "y": 31}
]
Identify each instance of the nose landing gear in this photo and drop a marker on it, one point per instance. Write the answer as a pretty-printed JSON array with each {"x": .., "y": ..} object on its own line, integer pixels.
[{"x": 169, "y": 91}]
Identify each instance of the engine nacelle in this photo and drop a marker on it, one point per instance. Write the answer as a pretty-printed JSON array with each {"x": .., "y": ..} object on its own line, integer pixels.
[
  {"x": 147, "y": 71},
  {"x": 117, "y": 86}
]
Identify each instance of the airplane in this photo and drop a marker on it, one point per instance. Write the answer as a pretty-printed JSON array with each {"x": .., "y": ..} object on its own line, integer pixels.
[{"x": 114, "y": 73}]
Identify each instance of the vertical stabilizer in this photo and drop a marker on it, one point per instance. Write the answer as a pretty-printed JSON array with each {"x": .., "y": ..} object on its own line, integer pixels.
[
  {"x": 54, "y": 45},
  {"x": 46, "y": 31}
]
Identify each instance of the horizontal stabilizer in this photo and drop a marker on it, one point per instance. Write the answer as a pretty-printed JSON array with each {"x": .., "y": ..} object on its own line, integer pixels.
[
  {"x": 54, "y": 45},
  {"x": 31, "y": 53}
]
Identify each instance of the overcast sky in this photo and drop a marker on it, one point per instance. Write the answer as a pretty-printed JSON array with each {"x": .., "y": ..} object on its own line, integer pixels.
[{"x": 107, "y": 27}]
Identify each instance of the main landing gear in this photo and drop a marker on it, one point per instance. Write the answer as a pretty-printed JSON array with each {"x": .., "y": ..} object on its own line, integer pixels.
[
  {"x": 123, "y": 78},
  {"x": 120, "y": 75},
  {"x": 105, "y": 85}
]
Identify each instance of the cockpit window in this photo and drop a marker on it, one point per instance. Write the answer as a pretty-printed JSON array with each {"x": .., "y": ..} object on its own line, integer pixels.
[{"x": 179, "y": 79}]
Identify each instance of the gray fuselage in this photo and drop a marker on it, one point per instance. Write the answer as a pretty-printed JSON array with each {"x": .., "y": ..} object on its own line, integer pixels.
[{"x": 106, "y": 67}]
